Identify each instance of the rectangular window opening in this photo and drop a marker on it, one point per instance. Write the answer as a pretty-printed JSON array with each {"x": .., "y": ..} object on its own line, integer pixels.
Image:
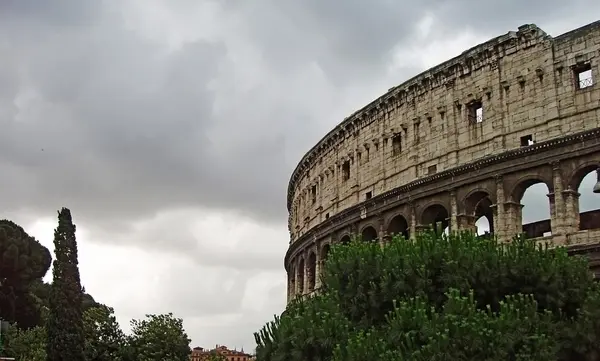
[
  {"x": 346, "y": 170},
  {"x": 396, "y": 144},
  {"x": 475, "y": 112},
  {"x": 369, "y": 195},
  {"x": 583, "y": 76},
  {"x": 527, "y": 140},
  {"x": 326, "y": 215},
  {"x": 416, "y": 128},
  {"x": 313, "y": 194},
  {"x": 432, "y": 169}
]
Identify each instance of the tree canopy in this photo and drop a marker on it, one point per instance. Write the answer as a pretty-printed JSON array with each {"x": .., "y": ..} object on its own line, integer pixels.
[
  {"x": 23, "y": 260},
  {"x": 63, "y": 322},
  {"x": 159, "y": 337},
  {"x": 66, "y": 340},
  {"x": 104, "y": 339},
  {"x": 457, "y": 297}
]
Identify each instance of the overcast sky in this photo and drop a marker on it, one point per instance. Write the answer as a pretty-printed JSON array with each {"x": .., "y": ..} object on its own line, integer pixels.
[{"x": 170, "y": 128}]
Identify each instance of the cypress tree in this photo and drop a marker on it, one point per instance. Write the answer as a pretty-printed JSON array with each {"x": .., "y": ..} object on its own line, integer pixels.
[{"x": 65, "y": 320}]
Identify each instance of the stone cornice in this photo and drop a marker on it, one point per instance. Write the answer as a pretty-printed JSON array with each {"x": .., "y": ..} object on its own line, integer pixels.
[
  {"x": 353, "y": 213},
  {"x": 438, "y": 76}
]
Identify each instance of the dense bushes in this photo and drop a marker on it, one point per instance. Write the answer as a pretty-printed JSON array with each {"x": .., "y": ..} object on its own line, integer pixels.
[{"x": 442, "y": 298}]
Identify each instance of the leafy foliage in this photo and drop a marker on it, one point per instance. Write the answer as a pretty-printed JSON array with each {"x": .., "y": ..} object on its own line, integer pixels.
[
  {"x": 27, "y": 345},
  {"x": 23, "y": 260},
  {"x": 457, "y": 297},
  {"x": 104, "y": 339},
  {"x": 60, "y": 318},
  {"x": 159, "y": 337},
  {"x": 66, "y": 340}
]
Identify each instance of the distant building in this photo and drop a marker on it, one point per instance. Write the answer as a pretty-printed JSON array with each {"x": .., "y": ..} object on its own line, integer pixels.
[{"x": 202, "y": 354}]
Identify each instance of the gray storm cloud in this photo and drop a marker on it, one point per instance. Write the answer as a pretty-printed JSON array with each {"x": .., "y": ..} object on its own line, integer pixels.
[{"x": 112, "y": 119}]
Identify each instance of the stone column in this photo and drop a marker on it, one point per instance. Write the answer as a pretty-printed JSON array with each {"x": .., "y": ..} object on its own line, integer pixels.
[
  {"x": 289, "y": 287},
  {"x": 513, "y": 222},
  {"x": 291, "y": 283},
  {"x": 558, "y": 211},
  {"x": 412, "y": 221},
  {"x": 381, "y": 233},
  {"x": 306, "y": 272},
  {"x": 554, "y": 218},
  {"x": 421, "y": 227},
  {"x": 318, "y": 266},
  {"x": 465, "y": 222},
  {"x": 296, "y": 278},
  {"x": 571, "y": 216},
  {"x": 499, "y": 212},
  {"x": 453, "y": 222}
]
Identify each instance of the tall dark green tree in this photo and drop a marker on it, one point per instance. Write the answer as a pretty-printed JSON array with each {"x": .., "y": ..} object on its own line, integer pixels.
[
  {"x": 23, "y": 262},
  {"x": 66, "y": 338}
]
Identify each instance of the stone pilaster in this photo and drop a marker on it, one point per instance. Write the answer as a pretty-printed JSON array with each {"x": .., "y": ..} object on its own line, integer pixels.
[
  {"x": 297, "y": 283},
  {"x": 412, "y": 221},
  {"x": 571, "y": 216},
  {"x": 465, "y": 222},
  {"x": 318, "y": 266},
  {"x": 381, "y": 232},
  {"x": 513, "y": 221},
  {"x": 305, "y": 271},
  {"x": 558, "y": 211},
  {"x": 499, "y": 212},
  {"x": 453, "y": 221}
]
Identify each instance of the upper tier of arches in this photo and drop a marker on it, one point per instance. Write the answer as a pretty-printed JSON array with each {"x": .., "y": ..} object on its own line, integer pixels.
[{"x": 514, "y": 91}]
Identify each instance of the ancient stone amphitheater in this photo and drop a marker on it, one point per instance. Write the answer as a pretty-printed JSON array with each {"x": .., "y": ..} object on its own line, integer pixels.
[{"x": 460, "y": 141}]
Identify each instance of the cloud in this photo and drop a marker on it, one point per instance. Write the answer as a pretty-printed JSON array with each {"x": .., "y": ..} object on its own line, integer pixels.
[{"x": 170, "y": 128}]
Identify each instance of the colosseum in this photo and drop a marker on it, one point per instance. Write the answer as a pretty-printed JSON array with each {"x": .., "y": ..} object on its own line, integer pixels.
[{"x": 458, "y": 142}]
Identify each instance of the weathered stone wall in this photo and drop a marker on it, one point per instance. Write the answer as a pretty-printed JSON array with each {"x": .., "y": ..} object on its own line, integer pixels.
[
  {"x": 420, "y": 154},
  {"x": 525, "y": 82}
]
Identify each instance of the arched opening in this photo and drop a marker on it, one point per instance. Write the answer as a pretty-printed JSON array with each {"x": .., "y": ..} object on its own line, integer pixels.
[
  {"x": 584, "y": 205},
  {"x": 345, "y": 239},
  {"x": 478, "y": 207},
  {"x": 484, "y": 216},
  {"x": 369, "y": 234},
  {"x": 398, "y": 225},
  {"x": 325, "y": 252},
  {"x": 533, "y": 208},
  {"x": 301, "y": 276},
  {"x": 436, "y": 216},
  {"x": 311, "y": 271}
]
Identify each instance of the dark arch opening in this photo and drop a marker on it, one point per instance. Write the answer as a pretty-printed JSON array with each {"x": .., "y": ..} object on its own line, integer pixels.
[
  {"x": 535, "y": 215},
  {"x": 436, "y": 216},
  {"x": 301, "y": 277},
  {"x": 484, "y": 216},
  {"x": 399, "y": 225},
  {"x": 478, "y": 205},
  {"x": 369, "y": 234},
  {"x": 311, "y": 271},
  {"x": 325, "y": 252},
  {"x": 587, "y": 203},
  {"x": 345, "y": 239}
]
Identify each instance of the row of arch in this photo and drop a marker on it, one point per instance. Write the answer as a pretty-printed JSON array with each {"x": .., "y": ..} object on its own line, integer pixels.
[
  {"x": 477, "y": 211},
  {"x": 312, "y": 267}
]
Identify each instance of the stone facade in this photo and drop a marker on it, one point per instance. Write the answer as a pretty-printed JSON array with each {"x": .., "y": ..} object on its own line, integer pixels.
[
  {"x": 462, "y": 140},
  {"x": 202, "y": 354}
]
